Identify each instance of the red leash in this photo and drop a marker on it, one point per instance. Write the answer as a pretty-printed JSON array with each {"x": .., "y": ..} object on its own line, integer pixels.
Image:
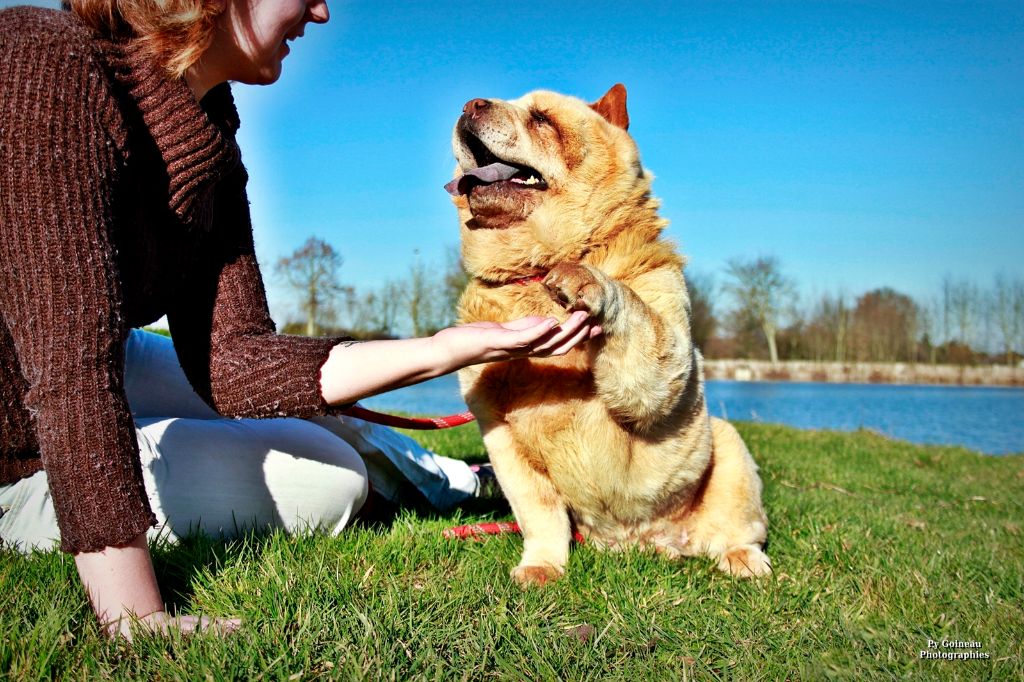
[
  {"x": 529, "y": 279},
  {"x": 421, "y": 423},
  {"x": 474, "y": 530}
]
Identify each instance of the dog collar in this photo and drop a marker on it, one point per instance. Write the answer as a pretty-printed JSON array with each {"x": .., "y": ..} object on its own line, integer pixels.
[{"x": 522, "y": 281}]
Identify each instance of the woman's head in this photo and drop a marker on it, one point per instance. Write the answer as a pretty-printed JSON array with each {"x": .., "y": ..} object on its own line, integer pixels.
[
  {"x": 252, "y": 35},
  {"x": 175, "y": 32},
  {"x": 208, "y": 40}
]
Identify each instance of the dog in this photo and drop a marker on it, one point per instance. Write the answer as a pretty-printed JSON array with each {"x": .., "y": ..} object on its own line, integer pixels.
[{"x": 612, "y": 438}]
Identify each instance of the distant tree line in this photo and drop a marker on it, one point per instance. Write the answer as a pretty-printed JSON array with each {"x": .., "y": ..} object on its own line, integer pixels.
[
  {"x": 754, "y": 313},
  {"x": 418, "y": 304}
]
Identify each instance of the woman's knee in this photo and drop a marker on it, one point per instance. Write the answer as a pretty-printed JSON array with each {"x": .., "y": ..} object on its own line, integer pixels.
[
  {"x": 224, "y": 474},
  {"x": 315, "y": 478}
]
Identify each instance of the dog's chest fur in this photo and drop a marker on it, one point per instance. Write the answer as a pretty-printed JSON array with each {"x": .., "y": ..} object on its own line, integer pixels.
[{"x": 620, "y": 487}]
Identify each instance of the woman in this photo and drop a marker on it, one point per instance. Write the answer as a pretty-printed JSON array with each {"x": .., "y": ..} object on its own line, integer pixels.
[{"x": 122, "y": 198}]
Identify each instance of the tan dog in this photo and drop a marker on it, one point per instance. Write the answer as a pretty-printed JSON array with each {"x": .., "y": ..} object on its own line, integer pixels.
[{"x": 613, "y": 437}]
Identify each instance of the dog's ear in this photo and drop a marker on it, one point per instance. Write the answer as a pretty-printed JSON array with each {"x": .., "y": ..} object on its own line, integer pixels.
[{"x": 613, "y": 106}]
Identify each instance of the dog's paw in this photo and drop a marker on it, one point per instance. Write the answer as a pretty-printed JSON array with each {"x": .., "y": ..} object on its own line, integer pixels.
[
  {"x": 745, "y": 561},
  {"x": 528, "y": 576},
  {"x": 575, "y": 287}
]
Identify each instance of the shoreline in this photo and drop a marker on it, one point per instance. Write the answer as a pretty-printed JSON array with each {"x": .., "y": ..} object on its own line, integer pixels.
[{"x": 895, "y": 373}]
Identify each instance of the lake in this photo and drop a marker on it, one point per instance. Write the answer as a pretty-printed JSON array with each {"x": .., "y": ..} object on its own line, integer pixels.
[{"x": 986, "y": 419}]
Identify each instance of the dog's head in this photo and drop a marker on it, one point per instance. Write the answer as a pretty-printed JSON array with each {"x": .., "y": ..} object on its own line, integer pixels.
[{"x": 540, "y": 178}]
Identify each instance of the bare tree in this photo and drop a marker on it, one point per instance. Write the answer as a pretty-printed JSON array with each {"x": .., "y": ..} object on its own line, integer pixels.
[
  {"x": 377, "y": 311},
  {"x": 762, "y": 295},
  {"x": 963, "y": 309},
  {"x": 930, "y": 326},
  {"x": 390, "y": 306},
  {"x": 818, "y": 331},
  {"x": 423, "y": 296},
  {"x": 1018, "y": 315},
  {"x": 312, "y": 272},
  {"x": 701, "y": 289},
  {"x": 1008, "y": 314},
  {"x": 350, "y": 302},
  {"x": 946, "y": 306},
  {"x": 828, "y": 328},
  {"x": 747, "y": 339},
  {"x": 793, "y": 340},
  {"x": 455, "y": 280}
]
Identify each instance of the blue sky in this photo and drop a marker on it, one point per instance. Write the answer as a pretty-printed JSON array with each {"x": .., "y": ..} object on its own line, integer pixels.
[{"x": 863, "y": 144}]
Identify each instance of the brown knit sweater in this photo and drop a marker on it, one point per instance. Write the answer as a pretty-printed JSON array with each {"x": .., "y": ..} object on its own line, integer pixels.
[{"x": 121, "y": 199}]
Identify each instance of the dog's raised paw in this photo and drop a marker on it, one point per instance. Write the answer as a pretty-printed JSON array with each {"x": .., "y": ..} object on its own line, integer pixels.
[
  {"x": 745, "y": 561},
  {"x": 574, "y": 287},
  {"x": 528, "y": 576}
]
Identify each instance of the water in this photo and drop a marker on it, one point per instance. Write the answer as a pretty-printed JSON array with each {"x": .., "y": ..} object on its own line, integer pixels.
[
  {"x": 990, "y": 420},
  {"x": 987, "y": 419}
]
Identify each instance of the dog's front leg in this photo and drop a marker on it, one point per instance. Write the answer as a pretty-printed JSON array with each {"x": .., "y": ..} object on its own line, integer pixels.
[
  {"x": 643, "y": 362},
  {"x": 538, "y": 508}
]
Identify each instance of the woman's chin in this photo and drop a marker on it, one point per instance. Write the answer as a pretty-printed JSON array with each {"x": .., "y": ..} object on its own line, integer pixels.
[{"x": 264, "y": 76}]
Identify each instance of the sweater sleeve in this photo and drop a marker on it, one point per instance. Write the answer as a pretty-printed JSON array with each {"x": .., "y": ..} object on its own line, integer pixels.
[
  {"x": 59, "y": 288},
  {"x": 223, "y": 333}
]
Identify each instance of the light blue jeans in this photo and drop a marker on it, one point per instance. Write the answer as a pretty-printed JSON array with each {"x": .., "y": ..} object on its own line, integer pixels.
[{"x": 204, "y": 472}]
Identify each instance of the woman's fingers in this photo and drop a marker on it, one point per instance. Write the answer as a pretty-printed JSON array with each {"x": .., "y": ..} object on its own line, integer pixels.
[
  {"x": 523, "y": 340},
  {"x": 220, "y": 626},
  {"x": 162, "y": 623},
  {"x": 570, "y": 333},
  {"x": 559, "y": 334},
  {"x": 561, "y": 346}
]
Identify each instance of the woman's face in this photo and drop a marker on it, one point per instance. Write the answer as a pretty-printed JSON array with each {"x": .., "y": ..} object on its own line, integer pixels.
[{"x": 252, "y": 35}]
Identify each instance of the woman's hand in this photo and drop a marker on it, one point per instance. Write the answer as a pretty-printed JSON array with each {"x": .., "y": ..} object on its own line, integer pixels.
[
  {"x": 539, "y": 337},
  {"x": 122, "y": 589}
]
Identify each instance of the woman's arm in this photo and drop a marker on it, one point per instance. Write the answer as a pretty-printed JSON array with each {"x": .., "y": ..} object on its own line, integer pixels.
[
  {"x": 357, "y": 370},
  {"x": 223, "y": 335},
  {"x": 120, "y": 581},
  {"x": 229, "y": 349},
  {"x": 60, "y": 297}
]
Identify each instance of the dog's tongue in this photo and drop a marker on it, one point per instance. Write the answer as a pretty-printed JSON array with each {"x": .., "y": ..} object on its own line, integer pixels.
[{"x": 485, "y": 174}]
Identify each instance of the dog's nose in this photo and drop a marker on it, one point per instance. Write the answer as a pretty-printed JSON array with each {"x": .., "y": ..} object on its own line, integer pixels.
[{"x": 475, "y": 106}]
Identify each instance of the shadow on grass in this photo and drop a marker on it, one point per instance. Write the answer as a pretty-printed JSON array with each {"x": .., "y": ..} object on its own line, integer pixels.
[
  {"x": 178, "y": 564},
  {"x": 380, "y": 513}
]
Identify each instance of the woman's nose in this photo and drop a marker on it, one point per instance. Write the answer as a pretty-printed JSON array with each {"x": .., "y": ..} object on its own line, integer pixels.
[{"x": 317, "y": 12}]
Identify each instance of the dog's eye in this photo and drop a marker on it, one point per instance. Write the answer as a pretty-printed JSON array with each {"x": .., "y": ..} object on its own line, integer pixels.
[{"x": 539, "y": 116}]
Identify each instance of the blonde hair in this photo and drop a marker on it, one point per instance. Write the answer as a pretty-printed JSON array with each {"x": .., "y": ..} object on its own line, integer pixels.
[{"x": 174, "y": 32}]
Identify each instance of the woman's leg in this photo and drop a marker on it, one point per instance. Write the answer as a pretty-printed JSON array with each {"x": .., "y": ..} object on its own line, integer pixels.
[
  {"x": 225, "y": 476},
  {"x": 203, "y": 471},
  {"x": 155, "y": 383},
  {"x": 27, "y": 520},
  {"x": 393, "y": 461},
  {"x": 220, "y": 477},
  {"x": 157, "y": 387}
]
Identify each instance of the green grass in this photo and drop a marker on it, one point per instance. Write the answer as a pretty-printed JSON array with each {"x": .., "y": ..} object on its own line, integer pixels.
[{"x": 877, "y": 545}]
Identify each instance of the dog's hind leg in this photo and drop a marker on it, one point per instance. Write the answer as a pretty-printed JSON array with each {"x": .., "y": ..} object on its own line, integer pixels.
[
  {"x": 538, "y": 508},
  {"x": 727, "y": 521}
]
